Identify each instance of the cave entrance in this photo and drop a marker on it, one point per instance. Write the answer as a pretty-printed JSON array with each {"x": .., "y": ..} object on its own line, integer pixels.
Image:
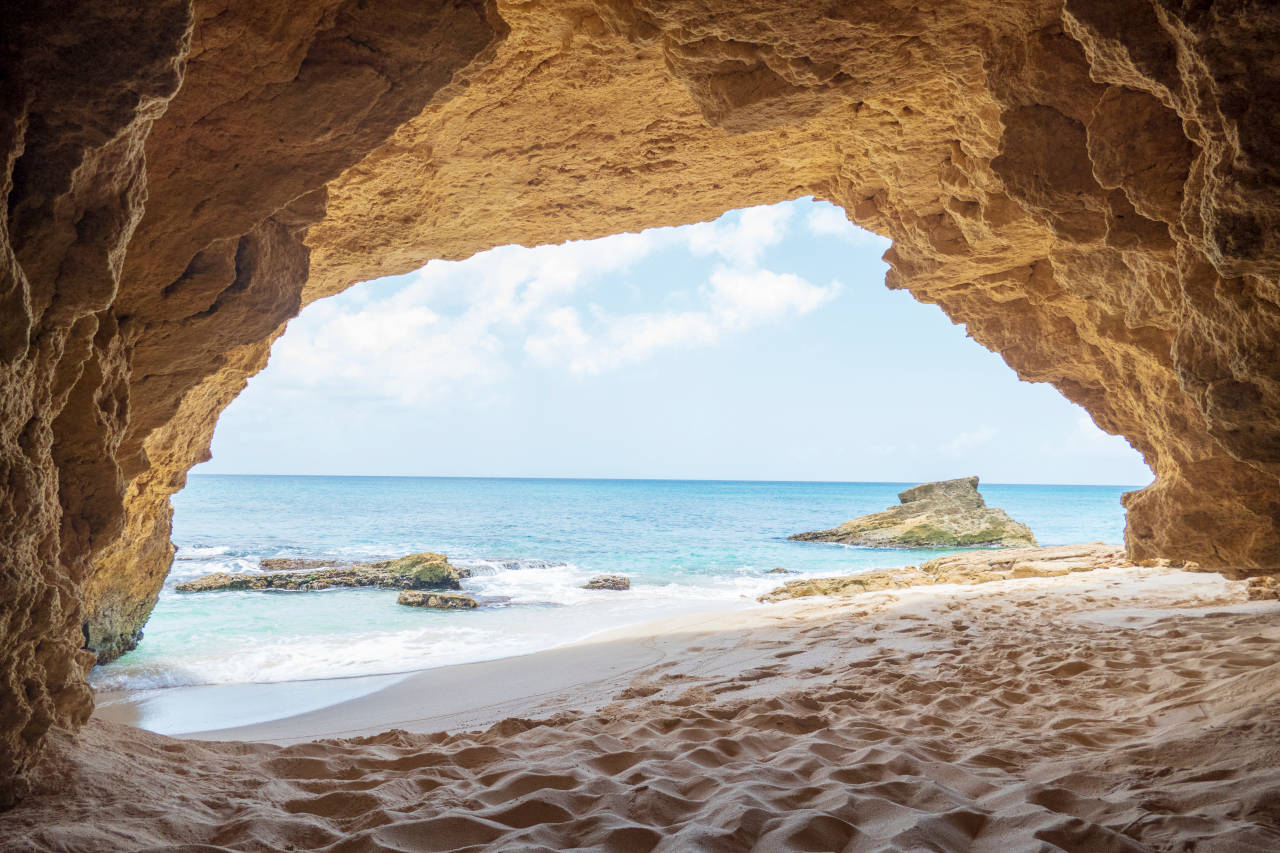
[{"x": 667, "y": 406}]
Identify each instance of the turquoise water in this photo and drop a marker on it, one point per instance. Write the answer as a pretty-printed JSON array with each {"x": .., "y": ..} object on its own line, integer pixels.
[{"x": 686, "y": 545}]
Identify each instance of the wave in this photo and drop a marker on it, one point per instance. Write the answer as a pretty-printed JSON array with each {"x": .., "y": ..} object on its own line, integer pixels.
[
  {"x": 241, "y": 637},
  {"x": 493, "y": 566},
  {"x": 310, "y": 657}
]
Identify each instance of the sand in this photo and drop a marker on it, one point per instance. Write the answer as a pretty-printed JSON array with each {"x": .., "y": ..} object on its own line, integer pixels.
[{"x": 1121, "y": 709}]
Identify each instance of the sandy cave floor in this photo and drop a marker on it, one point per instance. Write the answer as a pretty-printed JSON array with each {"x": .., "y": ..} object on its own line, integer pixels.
[{"x": 1122, "y": 709}]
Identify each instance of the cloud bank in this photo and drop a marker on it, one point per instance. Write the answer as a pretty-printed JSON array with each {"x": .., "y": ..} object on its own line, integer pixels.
[{"x": 458, "y": 325}]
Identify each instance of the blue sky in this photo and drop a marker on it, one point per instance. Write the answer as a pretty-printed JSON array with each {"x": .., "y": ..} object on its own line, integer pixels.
[{"x": 763, "y": 345}]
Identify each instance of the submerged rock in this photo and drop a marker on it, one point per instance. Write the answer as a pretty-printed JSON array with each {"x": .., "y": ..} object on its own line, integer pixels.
[
  {"x": 945, "y": 514},
  {"x": 972, "y": 567},
  {"x": 781, "y": 571},
  {"x": 436, "y": 600},
  {"x": 415, "y": 571},
  {"x": 615, "y": 582}
]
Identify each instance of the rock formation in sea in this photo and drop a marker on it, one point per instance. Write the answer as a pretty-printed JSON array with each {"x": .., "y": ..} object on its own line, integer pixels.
[
  {"x": 293, "y": 564},
  {"x": 416, "y": 571},
  {"x": 436, "y": 600},
  {"x": 614, "y": 582},
  {"x": 945, "y": 514},
  {"x": 972, "y": 567},
  {"x": 1089, "y": 186}
]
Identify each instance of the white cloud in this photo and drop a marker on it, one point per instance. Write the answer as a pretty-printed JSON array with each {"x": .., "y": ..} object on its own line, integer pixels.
[
  {"x": 827, "y": 220},
  {"x": 974, "y": 438},
  {"x": 406, "y": 355},
  {"x": 456, "y": 326},
  {"x": 1087, "y": 432},
  {"x": 561, "y": 333},
  {"x": 1086, "y": 437},
  {"x": 396, "y": 347},
  {"x": 745, "y": 299},
  {"x": 734, "y": 301},
  {"x": 740, "y": 241},
  {"x": 510, "y": 283}
]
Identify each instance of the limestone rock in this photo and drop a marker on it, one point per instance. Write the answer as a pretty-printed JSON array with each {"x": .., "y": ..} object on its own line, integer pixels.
[
  {"x": 294, "y": 564},
  {"x": 436, "y": 600},
  {"x": 614, "y": 582},
  {"x": 426, "y": 569},
  {"x": 1090, "y": 189},
  {"x": 416, "y": 571},
  {"x": 897, "y": 578},
  {"x": 984, "y": 566},
  {"x": 968, "y": 568},
  {"x": 946, "y": 514},
  {"x": 1264, "y": 588}
]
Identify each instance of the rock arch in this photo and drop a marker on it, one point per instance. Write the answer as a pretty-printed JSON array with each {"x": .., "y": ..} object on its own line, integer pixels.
[{"x": 1091, "y": 186}]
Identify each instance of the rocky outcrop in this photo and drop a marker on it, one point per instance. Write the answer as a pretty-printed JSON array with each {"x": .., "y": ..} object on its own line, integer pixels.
[
  {"x": 416, "y": 571},
  {"x": 425, "y": 568},
  {"x": 946, "y": 514},
  {"x": 1092, "y": 188},
  {"x": 614, "y": 582},
  {"x": 294, "y": 564},
  {"x": 436, "y": 600},
  {"x": 970, "y": 568},
  {"x": 1264, "y": 588}
]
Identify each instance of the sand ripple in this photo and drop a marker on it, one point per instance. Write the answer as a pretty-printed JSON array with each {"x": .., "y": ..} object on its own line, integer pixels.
[{"x": 1018, "y": 716}]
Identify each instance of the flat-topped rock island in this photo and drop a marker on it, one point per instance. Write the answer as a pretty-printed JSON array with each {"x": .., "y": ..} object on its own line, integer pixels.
[{"x": 945, "y": 514}]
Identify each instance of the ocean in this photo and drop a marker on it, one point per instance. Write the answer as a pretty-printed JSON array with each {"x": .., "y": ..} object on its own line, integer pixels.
[{"x": 686, "y": 546}]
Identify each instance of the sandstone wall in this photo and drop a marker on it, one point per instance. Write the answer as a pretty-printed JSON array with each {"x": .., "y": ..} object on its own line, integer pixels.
[{"x": 1090, "y": 186}]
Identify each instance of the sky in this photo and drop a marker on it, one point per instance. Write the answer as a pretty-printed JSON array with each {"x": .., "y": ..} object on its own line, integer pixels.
[{"x": 761, "y": 346}]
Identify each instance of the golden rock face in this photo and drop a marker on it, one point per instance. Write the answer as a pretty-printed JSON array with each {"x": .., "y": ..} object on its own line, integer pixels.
[{"x": 1090, "y": 186}]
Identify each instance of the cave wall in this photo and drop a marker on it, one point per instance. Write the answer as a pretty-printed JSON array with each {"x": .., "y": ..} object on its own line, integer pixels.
[{"x": 1090, "y": 186}]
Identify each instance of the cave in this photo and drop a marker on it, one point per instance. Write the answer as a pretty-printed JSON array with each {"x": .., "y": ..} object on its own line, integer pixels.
[{"x": 1092, "y": 187}]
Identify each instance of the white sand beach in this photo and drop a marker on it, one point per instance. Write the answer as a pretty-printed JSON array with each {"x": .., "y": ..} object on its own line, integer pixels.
[{"x": 1118, "y": 709}]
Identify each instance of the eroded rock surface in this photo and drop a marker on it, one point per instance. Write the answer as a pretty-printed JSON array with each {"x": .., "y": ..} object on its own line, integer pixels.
[
  {"x": 945, "y": 514},
  {"x": 972, "y": 567},
  {"x": 1264, "y": 588},
  {"x": 416, "y": 571},
  {"x": 1091, "y": 188},
  {"x": 436, "y": 600},
  {"x": 294, "y": 564},
  {"x": 613, "y": 582}
]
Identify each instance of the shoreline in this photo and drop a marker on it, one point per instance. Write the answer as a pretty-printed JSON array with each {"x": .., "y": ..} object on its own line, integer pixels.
[
  {"x": 161, "y": 710},
  {"x": 348, "y": 692},
  {"x": 193, "y": 709},
  {"x": 582, "y": 675},
  {"x": 1120, "y": 708}
]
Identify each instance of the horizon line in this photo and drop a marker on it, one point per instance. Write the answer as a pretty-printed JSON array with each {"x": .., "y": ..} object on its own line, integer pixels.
[{"x": 644, "y": 479}]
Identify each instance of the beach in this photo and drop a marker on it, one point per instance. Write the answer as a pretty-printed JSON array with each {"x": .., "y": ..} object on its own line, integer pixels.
[
  {"x": 631, "y": 313},
  {"x": 1119, "y": 709},
  {"x": 529, "y": 547}
]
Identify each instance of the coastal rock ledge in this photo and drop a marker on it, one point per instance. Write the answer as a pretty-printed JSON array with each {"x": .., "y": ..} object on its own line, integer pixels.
[
  {"x": 436, "y": 600},
  {"x": 945, "y": 514},
  {"x": 972, "y": 567},
  {"x": 413, "y": 572}
]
